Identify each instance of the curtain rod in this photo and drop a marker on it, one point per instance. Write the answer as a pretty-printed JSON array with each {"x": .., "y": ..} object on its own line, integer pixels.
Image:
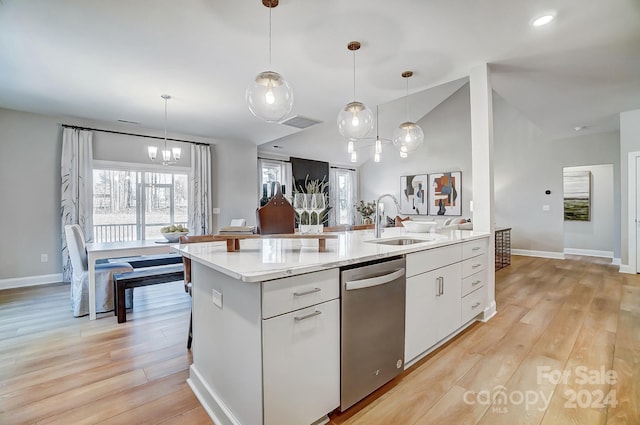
[
  {"x": 131, "y": 134},
  {"x": 343, "y": 168},
  {"x": 271, "y": 159}
]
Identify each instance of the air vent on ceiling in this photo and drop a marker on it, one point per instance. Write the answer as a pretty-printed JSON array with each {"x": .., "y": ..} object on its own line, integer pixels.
[
  {"x": 298, "y": 121},
  {"x": 129, "y": 122}
]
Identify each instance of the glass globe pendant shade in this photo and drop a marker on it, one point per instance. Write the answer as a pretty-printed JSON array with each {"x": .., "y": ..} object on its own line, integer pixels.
[
  {"x": 355, "y": 120},
  {"x": 408, "y": 137},
  {"x": 270, "y": 97}
]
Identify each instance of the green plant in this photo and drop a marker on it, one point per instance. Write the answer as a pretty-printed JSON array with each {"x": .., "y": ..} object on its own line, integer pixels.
[{"x": 366, "y": 209}]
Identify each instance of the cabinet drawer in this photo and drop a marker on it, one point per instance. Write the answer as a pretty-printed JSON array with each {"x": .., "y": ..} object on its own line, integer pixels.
[
  {"x": 473, "y": 304},
  {"x": 292, "y": 293},
  {"x": 474, "y": 265},
  {"x": 475, "y": 247},
  {"x": 431, "y": 259},
  {"x": 473, "y": 282}
]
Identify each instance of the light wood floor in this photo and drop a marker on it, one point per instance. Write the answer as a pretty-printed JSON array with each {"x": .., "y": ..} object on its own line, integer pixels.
[{"x": 558, "y": 314}]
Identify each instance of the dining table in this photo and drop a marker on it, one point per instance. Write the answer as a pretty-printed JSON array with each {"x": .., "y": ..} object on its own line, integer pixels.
[{"x": 103, "y": 250}]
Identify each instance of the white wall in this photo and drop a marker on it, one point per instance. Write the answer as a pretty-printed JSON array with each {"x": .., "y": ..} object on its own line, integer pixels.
[
  {"x": 30, "y": 149},
  {"x": 526, "y": 164},
  {"x": 595, "y": 236},
  {"x": 447, "y": 147}
]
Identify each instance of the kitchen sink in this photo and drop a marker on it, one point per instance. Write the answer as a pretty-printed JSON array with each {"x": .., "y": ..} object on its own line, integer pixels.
[{"x": 398, "y": 241}]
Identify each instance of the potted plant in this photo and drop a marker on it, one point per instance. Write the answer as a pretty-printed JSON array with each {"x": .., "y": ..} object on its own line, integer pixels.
[{"x": 366, "y": 210}]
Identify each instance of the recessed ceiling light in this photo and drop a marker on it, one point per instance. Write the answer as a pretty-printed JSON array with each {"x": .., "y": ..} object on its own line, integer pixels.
[
  {"x": 579, "y": 128},
  {"x": 277, "y": 147},
  {"x": 543, "y": 20}
]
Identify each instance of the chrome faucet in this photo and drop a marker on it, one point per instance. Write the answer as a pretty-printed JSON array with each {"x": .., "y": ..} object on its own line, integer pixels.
[{"x": 378, "y": 230}]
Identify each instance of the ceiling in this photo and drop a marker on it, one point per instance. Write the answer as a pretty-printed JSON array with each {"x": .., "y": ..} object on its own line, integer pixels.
[{"x": 111, "y": 60}]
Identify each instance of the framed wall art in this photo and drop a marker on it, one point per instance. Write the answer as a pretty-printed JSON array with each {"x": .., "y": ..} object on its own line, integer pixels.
[
  {"x": 444, "y": 193},
  {"x": 413, "y": 194},
  {"x": 577, "y": 195}
]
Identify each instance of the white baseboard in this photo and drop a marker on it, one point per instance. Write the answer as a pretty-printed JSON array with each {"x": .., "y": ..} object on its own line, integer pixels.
[
  {"x": 19, "y": 282},
  {"x": 616, "y": 261},
  {"x": 542, "y": 254},
  {"x": 625, "y": 268},
  {"x": 589, "y": 252}
]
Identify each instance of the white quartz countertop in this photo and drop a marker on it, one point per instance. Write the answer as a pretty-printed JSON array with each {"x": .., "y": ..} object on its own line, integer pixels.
[{"x": 266, "y": 259}]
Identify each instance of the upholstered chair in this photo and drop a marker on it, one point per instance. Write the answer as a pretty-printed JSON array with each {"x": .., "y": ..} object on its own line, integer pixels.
[{"x": 80, "y": 276}]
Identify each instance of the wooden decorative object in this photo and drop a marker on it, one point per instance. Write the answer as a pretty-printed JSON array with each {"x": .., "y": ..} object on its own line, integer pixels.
[
  {"x": 270, "y": 3},
  {"x": 277, "y": 216},
  {"x": 233, "y": 241}
]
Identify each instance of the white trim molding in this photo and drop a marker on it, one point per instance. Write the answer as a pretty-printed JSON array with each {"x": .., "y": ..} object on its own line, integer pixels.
[
  {"x": 542, "y": 254},
  {"x": 589, "y": 252},
  {"x": 20, "y": 282},
  {"x": 626, "y": 268}
]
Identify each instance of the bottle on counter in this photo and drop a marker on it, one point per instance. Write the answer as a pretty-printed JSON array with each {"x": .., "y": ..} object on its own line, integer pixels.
[{"x": 264, "y": 200}]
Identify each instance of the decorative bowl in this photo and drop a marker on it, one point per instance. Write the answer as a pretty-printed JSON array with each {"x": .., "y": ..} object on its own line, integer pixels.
[
  {"x": 173, "y": 237},
  {"x": 419, "y": 226}
]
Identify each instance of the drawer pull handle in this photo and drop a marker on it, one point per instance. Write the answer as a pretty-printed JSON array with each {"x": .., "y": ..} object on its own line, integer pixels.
[
  {"x": 475, "y": 305},
  {"x": 475, "y": 248},
  {"x": 475, "y": 283},
  {"x": 475, "y": 266},
  {"x": 306, "y": 316},
  {"x": 310, "y": 291},
  {"x": 440, "y": 288}
]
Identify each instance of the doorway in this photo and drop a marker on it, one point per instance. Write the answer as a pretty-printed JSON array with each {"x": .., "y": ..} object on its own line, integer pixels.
[{"x": 589, "y": 212}]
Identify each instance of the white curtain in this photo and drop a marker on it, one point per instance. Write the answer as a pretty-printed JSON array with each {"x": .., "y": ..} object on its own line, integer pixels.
[
  {"x": 200, "y": 190},
  {"x": 76, "y": 202}
]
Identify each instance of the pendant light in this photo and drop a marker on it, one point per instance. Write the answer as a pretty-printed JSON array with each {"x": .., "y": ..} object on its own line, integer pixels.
[
  {"x": 168, "y": 156},
  {"x": 355, "y": 120},
  {"x": 408, "y": 136},
  {"x": 270, "y": 97},
  {"x": 378, "y": 144}
]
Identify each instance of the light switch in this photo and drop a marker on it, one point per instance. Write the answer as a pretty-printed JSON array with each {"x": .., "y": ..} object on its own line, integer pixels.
[
  {"x": 217, "y": 297},
  {"x": 215, "y": 210},
  {"x": 546, "y": 208}
]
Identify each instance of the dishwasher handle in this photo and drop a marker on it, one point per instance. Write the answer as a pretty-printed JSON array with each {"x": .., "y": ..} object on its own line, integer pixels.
[{"x": 350, "y": 285}]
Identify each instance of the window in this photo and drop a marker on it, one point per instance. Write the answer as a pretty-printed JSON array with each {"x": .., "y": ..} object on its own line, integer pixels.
[
  {"x": 344, "y": 191},
  {"x": 130, "y": 204},
  {"x": 272, "y": 171}
]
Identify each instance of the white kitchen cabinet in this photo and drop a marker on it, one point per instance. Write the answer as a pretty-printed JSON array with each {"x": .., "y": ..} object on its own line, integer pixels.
[
  {"x": 432, "y": 308},
  {"x": 301, "y": 364}
]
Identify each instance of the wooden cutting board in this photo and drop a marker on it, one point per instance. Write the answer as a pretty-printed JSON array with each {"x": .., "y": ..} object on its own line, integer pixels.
[{"x": 233, "y": 241}]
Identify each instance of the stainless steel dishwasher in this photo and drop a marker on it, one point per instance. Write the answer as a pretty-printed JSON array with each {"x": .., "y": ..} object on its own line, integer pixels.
[{"x": 372, "y": 337}]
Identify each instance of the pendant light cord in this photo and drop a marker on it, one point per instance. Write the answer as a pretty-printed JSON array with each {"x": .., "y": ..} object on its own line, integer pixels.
[
  {"x": 354, "y": 75},
  {"x": 270, "y": 37},
  {"x": 165, "y": 123},
  {"x": 406, "y": 103}
]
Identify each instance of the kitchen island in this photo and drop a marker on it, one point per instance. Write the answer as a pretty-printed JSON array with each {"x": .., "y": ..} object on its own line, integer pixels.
[{"x": 266, "y": 319}]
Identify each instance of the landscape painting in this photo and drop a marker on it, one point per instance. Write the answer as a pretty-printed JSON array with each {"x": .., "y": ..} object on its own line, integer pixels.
[
  {"x": 577, "y": 195},
  {"x": 413, "y": 194},
  {"x": 444, "y": 193}
]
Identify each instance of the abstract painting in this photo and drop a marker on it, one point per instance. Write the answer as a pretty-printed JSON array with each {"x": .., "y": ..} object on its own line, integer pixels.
[
  {"x": 413, "y": 194},
  {"x": 577, "y": 195},
  {"x": 444, "y": 193}
]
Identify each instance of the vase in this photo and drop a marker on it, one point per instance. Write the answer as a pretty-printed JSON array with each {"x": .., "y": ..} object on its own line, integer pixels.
[{"x": 367, "y": 220}]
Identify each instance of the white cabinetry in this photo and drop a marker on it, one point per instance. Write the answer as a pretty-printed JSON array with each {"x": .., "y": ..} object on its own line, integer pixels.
[
  {"x": 446, "y": 288},
  {"x": 433, "y": 308},
  {"x": 301, "y": 348},
  {"x": 474, "y": 279}
]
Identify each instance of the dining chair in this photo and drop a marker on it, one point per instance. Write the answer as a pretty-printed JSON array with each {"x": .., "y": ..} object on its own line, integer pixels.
[
  {"x": 80, "y": 276},
  {"x": 187, "y": 274}
]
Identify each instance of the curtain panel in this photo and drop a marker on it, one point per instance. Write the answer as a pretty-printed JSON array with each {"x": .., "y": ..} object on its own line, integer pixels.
[
  {"x": 200, "y": 187},
  {"x": 76, "y": 204}
]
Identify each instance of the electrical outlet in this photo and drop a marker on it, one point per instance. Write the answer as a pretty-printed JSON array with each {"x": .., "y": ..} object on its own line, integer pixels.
[
  {"x": 215, "y": 210},
  {"x": 217, "y": 297},
  {"x": 546, "y": 208},
  {"x": 44, "y": 258}
]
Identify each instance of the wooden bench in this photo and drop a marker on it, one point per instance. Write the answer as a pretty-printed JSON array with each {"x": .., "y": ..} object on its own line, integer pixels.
[{"x": 142, "y": 277}]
